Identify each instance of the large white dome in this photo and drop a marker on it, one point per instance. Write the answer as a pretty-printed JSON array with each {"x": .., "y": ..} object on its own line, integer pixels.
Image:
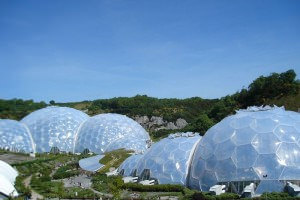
[
  {"x": 54, "y": 127},
  {"x": 259, "y": 145},
  {"x": 107, "y": 132},
  {"x": 15, "y": 136}
]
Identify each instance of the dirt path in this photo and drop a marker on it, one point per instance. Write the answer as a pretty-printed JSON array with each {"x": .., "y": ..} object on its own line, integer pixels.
[{"x": 34, "y": 194}]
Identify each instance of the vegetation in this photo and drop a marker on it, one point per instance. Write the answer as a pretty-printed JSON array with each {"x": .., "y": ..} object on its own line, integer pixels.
[
  {"x": 281, "y": 89},
  {"x": 66, "y": 171},
  {"x": 114, "y": 159}
]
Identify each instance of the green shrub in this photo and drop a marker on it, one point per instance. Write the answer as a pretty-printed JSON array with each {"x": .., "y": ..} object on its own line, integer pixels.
[{"x": 153, "y": 188}]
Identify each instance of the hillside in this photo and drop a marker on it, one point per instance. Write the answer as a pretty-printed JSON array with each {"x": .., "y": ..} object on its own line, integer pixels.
[{"x": 281, "y": 89}]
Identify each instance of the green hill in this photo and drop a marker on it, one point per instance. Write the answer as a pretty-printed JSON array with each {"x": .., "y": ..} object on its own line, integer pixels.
[{"x": 281, "y": 89}]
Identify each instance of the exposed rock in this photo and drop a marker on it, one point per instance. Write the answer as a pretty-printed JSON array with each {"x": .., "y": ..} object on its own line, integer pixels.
[
  {"x": 171, "y": 126},
  {"x": 181, "y": 123},
  {"x": 157, "y": 120},
  {"x": 142, "y": 119},
  {"x": 158, "y": 123}
]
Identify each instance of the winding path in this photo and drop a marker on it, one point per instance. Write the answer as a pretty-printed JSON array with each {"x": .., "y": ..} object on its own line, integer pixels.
[{"x": 34, "y": 194}]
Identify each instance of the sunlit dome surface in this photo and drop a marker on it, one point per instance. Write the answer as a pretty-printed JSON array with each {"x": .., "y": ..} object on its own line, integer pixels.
[
  {"x": 168, "y": 160},
  {"x": 14, "y": 136},
  {"x": 258, "y": 145},
  {"x": 129, "y": 166},
  {"x": 107, "y": 132},
  {"x": 54, "y": 127}
]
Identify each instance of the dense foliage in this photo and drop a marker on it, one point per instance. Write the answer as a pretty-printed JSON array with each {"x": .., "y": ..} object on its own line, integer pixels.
[{"x": 281, "y": 89}]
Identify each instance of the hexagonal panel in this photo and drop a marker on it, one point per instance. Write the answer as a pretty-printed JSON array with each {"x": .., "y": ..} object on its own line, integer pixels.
[
  {"x": 241, "y": 122},
  {"x": 290, "y": 173},
  {"x": 224, "y": 150},
  {"x": 266, "y": 143},
  {"x": 269, "y": 186},
  {"x": 208, "y": 179},
  {"x": 267, "y": 167},
  {"x": 243, "y": 136},
  {"x": 245, "y": 156},
  {"x": 287, "y": 133},
  {"x": 263, "y": 125},
  {"x": 225, "y": 170},
  {"x": 289, "y": 154}
]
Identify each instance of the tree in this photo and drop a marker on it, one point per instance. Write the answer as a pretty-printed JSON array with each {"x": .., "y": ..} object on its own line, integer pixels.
[{"x": 52, "y": 102}]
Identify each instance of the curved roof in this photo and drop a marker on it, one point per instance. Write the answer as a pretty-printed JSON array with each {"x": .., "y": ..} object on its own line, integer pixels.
[
  {"x": 107, "y": 132},
  {"x": 7, "y": 179},
  {"x": 15, "y": 136},
  {"x": 130, "y": 165},
  {"x": 8, "y": 171},
  {"x": 260, "y": 143},
  {"x": 6, "y": 187},
  {"x": 169, "y": 159},
  {"x": 54, "y": 127}
]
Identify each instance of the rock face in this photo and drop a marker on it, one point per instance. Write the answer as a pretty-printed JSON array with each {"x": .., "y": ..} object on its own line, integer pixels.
[{"x": 157, "y": 123}]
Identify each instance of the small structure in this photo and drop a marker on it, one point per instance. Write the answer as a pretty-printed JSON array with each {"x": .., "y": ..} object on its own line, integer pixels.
[
  {"x": 130, "y": 179},
  {"x": 91, "y": 164},
  {"x": 217, "y": 189},
  {"x": 249, "y": 191},
  {"x": 147, "y": 182},
  {"x": 112, "y": 173},
  {"x": 293, "y": 189}
]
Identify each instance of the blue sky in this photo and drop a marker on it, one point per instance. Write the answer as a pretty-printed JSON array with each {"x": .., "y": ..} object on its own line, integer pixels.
[{"x": 71, "y": 50}]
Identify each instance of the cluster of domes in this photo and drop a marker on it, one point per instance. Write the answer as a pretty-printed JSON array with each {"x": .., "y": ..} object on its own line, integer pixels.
[
  {"x": 259, "y": 145},
  {"x": 167, "y": 161},
  {"x": 71, "y": 130}
]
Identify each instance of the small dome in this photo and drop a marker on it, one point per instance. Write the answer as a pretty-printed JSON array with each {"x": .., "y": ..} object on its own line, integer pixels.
[
  {"x": 107, "y": 132},
  {"x": 54, "y": 127},
  {"x": 14, "y": 136},
  {"x": 168, "y": 160},
  {"x": 258, "y": 144}
]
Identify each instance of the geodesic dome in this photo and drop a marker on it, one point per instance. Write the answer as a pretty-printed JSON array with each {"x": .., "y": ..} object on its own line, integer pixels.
[
  {"x": 129, "y": 166},
  {"x": 14, "y": 136},
  {"x": 259, "y": 145},
  {"x": 54, "y": 127},
  {"x": 168, "y": 160},
  {"x": 107, "y": 132}
]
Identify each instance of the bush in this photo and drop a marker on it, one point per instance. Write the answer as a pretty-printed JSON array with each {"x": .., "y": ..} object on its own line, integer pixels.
[{"x": 153, "y": 188}]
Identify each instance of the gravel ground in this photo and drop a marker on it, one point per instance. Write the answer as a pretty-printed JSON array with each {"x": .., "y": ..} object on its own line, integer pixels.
[{"x": 11, "y": 158}]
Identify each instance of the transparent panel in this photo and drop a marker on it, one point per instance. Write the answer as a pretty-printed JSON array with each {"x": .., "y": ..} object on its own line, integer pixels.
[
  {"x": 289, "y": 154},
  {"x": 224, "y": 150},
  {"x": 263, "y": 125},
  {"x": 267, "y": 167},
  {"x": 269, "y": 186},
  {"x": 245, "y": 174},
  {"x": 208, "y": 179},
  {"x": 226, "y": 170},
  {"x": 242, "y": 122},
  {"x": 290, "y": 173},
  {"x": 243, "y": 136},
  {"x": 287, "y": 133},
  {"x": 266, "y": 143},
  {"x": 245, "y": 156}
]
